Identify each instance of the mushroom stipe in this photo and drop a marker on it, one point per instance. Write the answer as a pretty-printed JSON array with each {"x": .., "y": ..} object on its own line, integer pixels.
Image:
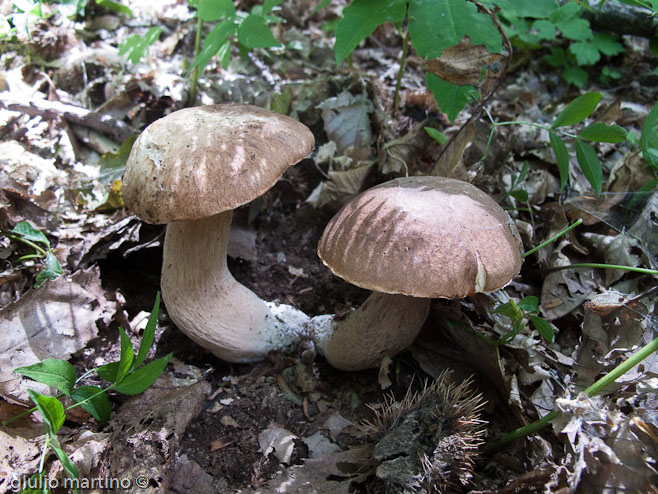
[{"x": 409, "y": 239}]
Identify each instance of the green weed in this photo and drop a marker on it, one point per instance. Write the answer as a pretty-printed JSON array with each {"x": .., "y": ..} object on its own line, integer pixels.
[{"x": 129, "y": 375}]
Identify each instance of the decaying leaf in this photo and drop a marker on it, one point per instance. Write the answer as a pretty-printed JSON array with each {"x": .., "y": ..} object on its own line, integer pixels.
[
  {"x": 346, "y": 120},
  {"x": 277, "y": 441},
  {"x": 451, "y": 161},
  {"x": 615, "y": 249},
  {"x": 147, "y": 429},
  {"x": 331, "y": 474},
  {"x": 402, "y": 155},
  {"x": 564, "y": 290},
  {"x": 341, "y": 186},
  {"x": 20, "y": 452},
  {"x": 465, "y": 63},
  {"x": 610, "y": 452},
  {"x": 53, "y": 321},
  {"x": 612, "y": 326}
]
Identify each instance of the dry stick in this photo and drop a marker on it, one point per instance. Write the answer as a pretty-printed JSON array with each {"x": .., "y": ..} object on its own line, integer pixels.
[
  {"x": 593, "y": 390},
  {"x": 54, "y": 110}
]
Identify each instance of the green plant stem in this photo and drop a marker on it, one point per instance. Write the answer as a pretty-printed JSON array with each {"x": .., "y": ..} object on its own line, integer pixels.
[
  {"x": 398, "y": 82},
  {"x": 495, "y": 124},
  {"x": 82, "y": 402},
  {"x": 553, "y": 238},
  {"x": 195, "y": 71},
  {"x": 605, "y": 266},
  {"x": 16, "y": 417},
  {"x": 44, "y": 451},
  {"x": 593, "y": 390},
  {"x": 41, "y": 251}
]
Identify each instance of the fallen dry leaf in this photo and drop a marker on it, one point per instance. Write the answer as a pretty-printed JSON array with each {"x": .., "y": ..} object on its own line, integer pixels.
[
  {"x": 220, "y": 443},
  {"x": 54, "y": 321},
  {"x": 463, "y": 64}
]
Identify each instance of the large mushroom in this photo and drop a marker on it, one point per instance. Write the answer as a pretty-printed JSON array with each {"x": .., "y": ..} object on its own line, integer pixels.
[
  {"x": 190, "y": 169},
  {"x": 410, "y": 240}
]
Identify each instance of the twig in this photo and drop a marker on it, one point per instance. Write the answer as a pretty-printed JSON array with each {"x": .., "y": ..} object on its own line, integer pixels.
[{"x": 75, "y": 114}]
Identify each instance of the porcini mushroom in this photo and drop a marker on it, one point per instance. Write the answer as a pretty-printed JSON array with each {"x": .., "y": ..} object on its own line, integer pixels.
[
  {"x": 190, "y": 169},
  {"x": 410, "y": 240}
]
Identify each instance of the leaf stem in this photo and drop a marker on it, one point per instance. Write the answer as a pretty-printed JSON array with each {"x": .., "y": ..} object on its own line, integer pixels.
[
  {"x": 606, "y": 266},
  {"x": 39, "y": 249},
  {"x": 553, "y": 238}
]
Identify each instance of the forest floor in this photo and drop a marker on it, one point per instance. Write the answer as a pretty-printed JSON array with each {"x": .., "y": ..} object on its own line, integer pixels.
[{"x": 293, "y": 424}]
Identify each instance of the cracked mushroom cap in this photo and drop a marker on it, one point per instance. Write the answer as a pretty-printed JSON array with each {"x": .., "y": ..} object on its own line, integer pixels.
[
  {"x": 200, "y": 161},
  {"x": 428, "y": 237}
]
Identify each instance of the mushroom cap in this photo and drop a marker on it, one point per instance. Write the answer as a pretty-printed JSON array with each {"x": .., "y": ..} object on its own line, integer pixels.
[
  {"x": 200, "y": 161},
  {"x": 429, "y": 237}
]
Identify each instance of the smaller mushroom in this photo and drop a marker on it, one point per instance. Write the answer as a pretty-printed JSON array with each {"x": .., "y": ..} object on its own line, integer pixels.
[
  {"x": 410, "y": 240},
  {"x": 190, "y": 169}
]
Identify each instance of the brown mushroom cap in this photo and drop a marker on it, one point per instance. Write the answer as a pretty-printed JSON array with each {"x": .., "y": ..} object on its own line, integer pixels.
[
  {"x": 428, "y": 237},
  {"x": 200, "y": 161}
]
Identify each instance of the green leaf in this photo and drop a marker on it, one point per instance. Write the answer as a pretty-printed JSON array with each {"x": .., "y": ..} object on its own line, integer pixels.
[
  {"x": 561, "y": 156},
  {"x": 544, "y": 327},
  {"x": 545, "y": 30},
  {"x": 51, "y": 410},
  {"x": 435, "y": 25},
  {"x": 590, "y": 164},
  {"x": 538, "y": 9},
  {"x": 214, "y": 10},
  {"x": 360, "y": 18},
  {"x": 319, "y": 6},
  {"x": 600, "y": 132},
  {"x": 509, "y": 309},
  {"x": 149, "y": 333},
  {"x": 53, "y": 372},
  {"x": 109, "y": 371},
  {"x": 143, "y": 377},
  {"x": 450, "y": 97},
  {"x": 111, "y": 165},
  {"x": 556, "y": 58},
  {"x": 268, "y": 5},
  {"x": 135, "y": 47},
  {"x": 51, "y": 271},
  {"x": 567, "y": 19},
  {"x": 127, "y": 356},
  {"x": 37, "y": 479},
  {"x": 520, "y": 195},
  {"x": 578, "y": 110},
  {"x": 254, "y": 33},
  {"x": 68, "y": 465},
  {"x": 607, "y": 44},
  {"x": 575, "y": 75},
  {"x": 585, "y": 52},
  {"x": 115, "y": 7},
  {"x": 529, "y": 304},
  {"x": 28, "y": 232},
  {"x": 280, "y": 102},
  {"x": 224, "y": 54},
  {"x": 649, "y": 137},
  {"x": 97, "y": 402},
  {"x": 437, "y": 135},
  {"x": 214, "y": 41}
]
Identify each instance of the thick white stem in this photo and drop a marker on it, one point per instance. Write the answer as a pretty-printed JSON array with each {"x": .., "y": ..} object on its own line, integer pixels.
[
  {"x": 383, "y": 326},
  {"x": 210, "y": 306}
]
